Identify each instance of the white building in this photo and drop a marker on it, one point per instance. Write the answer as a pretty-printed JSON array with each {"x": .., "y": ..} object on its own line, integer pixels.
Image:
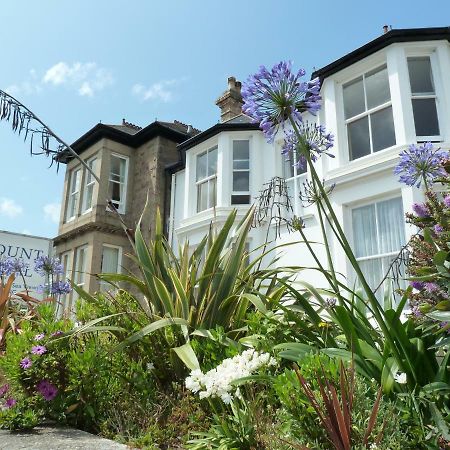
[{"x": 377, "y": 100}]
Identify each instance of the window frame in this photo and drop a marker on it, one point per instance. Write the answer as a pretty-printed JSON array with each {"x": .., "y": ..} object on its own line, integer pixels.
[
  {"x": 368, "y": 112},
  {"x": 208, "y": 179},
  {"x": 434, "y": 69},
  {"x": 123, "y": 202},
  {"x": 233, "y": 170},
  {"x": 89, "y": 181},
  {"x": 297, "y": 179},
  {"x": 73, "y": 196},
  {"x": 103, "y": 284}
]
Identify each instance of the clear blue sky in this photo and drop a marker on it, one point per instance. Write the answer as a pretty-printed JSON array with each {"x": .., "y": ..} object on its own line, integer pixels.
[{"x": 75, "y": 63}]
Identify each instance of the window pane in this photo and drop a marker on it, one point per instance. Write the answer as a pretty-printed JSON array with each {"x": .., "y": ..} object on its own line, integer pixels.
[
  {"x": 201, "y": 166},
  {"x": 240, "y": 199},
  {"x": 383, "y": 133},
  {"x": 212, "y": 161},
  {"x": 358, "y": 138},
  {"x": 110, "y": 260},
  {"x": 241, "y": 181},
  {"x": 391, "y": 229},
  {"x": 241, "y": 164},
  {"x": 288, "y": 168},
  {"x": 354, "y": 98},
  {"x": 115, "y": 191},
  {"x": 211, "y": 193},
  {"x": 240, "y": 150},
  {"x": 420, "y": 75},
  {"x": 118, "y": 168},
  {"x": 425, "y": 117},
  {"x": 364, "y": 231},
  {"x": 202, "y": 196},
  {"x": 372, "y": 270},
  {"x": 377, "y": 88}
]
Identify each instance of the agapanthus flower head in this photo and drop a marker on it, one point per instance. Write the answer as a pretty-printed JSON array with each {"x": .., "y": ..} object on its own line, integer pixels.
[
  {"x": 438, "y": 229},
  {"x": 6, "y": 266},
  {"x": 447, "y": 201},
  {"x": 10, "y": 402},
  {"x": 421, "y": 210},
  {"x": 48, "y": 390},
  {"x": 421, "y": 163},
  {"x": 47, "y": 265},
  {"x": 13, "y": 265},
  {"x": 26, "y": 363},
  {"x": 38, "y": 350},
  {"x": 313, "y": 140},
  {"x": 271, "y": 97},
  {"x": 4, "y": 389},
  {"x": 60, "y": 288},
  {"x": 431, "y": 287}
]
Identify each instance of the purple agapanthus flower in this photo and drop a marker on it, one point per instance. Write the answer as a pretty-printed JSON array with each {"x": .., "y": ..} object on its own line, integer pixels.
[
  {"x": 272, "y": 97},
  {"x": 317, "y": 140},
  {"x": 431, "y": 287},
  {"x": 46, "y": 265},
  {"x": 10, "y": 402},
  {"x": 48, "y": 390},
  {"x": 38, "y": 350},
  {"x": 419, "y": 285},
  {"x": 26, "y": 363},
  {"x": 6, "y": 266},
  {"x": 421, "y": 164},
  {"x": 438, "y": 229},
  {"x": 421, "y": 210},
  {"x": 4, "y": 389},
  {"x": 416, "y": 312},
  {"x": 60, "y": 288},
  {"x": 447, "y": 201}
]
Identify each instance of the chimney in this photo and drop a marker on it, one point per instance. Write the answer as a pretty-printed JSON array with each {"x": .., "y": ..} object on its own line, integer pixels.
[
  {"x": 387, "y": 28},
  {"x": 230, "y": 102}
]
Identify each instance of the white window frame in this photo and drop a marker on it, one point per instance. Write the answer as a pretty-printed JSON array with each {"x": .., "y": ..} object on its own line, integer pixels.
[
  {"x": 207, "y": 179},
  {"x": 367, "y": 112},
  {"x": 297, "y": 179},
  {"x": 66, "y": 259},
  {"x": 233, "y": 170},
  {"x": 73, "y": 194},
  {"x": 89, "y": 182},
  {"x": 77, "y": 273},
  {"x": 435, "y": 96},
  {"x": 122, "y": 203}
]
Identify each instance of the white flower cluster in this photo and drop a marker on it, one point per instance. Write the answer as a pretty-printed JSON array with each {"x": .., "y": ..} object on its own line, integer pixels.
[{"x": 217, "y": 382}]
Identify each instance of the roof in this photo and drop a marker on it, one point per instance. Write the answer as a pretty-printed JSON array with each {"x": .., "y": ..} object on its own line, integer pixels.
[
  {"x": 391, "y": 37},
  {"x": 131, "y": 135}
]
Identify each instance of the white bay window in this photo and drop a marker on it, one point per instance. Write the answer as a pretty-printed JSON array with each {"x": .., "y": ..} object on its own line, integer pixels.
[{"x": 241, "y": 173}]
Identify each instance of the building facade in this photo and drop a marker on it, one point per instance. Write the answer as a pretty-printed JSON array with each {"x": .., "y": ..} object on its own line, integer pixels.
[
  {"x": 130, "y": 162},
  {"x": 377, "y": 100}
]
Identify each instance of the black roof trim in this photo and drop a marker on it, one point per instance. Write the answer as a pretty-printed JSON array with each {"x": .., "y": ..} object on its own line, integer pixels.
[
  {"x": 214, "y": 130},
  {"x": 391, "y": 37},
  {"x": 101, "y": 131}
]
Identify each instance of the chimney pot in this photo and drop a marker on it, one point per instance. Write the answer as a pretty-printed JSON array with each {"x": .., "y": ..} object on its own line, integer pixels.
[
  {"x": 230, "y": 102},
  {"x": 385, "y": 29}
]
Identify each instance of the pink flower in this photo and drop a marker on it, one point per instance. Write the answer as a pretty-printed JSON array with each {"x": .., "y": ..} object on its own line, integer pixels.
[
  {"x": 26, "y": 363},
  {"x": 10, "y": 402},
  {"x": 38, "y": 350},
  {"x": 48, "y": 390},
  {"x": 4, "y": 389},
  {"x": 39, "y": 337}
]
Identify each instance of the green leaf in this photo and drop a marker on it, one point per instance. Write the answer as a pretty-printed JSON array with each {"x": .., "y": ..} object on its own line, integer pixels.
[
  {"x": 388, "y": 373},
  {"x": 442, "y": 316},
  {"x": 188, "y": 356}
]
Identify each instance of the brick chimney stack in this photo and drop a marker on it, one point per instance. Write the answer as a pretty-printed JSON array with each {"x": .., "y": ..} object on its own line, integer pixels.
[{"x": 230, "y": 102}]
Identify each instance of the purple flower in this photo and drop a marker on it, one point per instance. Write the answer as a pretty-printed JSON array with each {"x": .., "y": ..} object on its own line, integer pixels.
[
  {"x": 272, "y": 97},
  {"x": 10, "y": 402},
  {"x": 431, "y": 287},
  {"x": 331, "y": 302},
  {"x": 57, "y": 333},
  {"x": 447, "y": 201},
  {"x": 416, "y": 312},
  {"x": 46, "y": 265},
  {"x": 48, "y": 390},
  {"x": 438, "y": 229},
  {"x": 38, "y": 350},
  {"x": 39, "y": 337},
  {"x": 315, "y": 138},
  {"x": 421, "y": 163},
  {"x": 421, "y": 210},
  {"x": 60, "y": 288},
  {"x": 419, "y": 285},
  {"x": 4, "y": 389},
  {"x": 6, "y": 266},
  {"x": 26, "y": 363}
]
